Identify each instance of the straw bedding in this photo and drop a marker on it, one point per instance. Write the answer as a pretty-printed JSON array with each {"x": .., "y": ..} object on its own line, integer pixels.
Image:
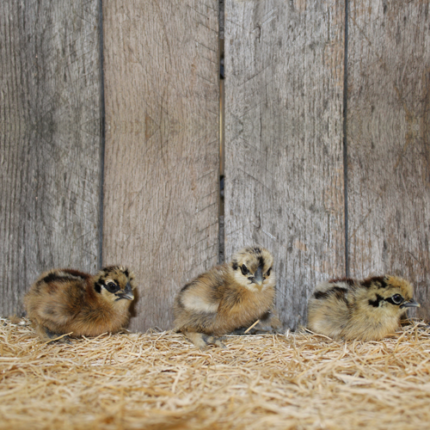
[{"x": 160, "y": 381}]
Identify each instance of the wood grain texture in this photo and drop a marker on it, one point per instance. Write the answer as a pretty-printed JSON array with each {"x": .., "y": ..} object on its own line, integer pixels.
[
  {"x": 388, "y": 122},
  {"x": 162, "y": 146},
  {"x": 50, "y": 143},
  {"x": 283, "y": 138}
]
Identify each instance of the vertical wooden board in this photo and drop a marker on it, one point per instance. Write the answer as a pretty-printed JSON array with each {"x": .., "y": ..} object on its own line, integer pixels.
[
  {"x": 388, "y": 123},
  {"x": 50, "y": 141},
  {"x": 162, "y": 149},
  {"x": 284, "y": 140}
]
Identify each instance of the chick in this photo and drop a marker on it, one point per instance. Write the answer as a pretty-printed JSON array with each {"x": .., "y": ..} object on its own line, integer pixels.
[
  {"x": 365, "y": 310},
  {"x": 228, "y": 297},
  {"x": 63, "y": 301}
]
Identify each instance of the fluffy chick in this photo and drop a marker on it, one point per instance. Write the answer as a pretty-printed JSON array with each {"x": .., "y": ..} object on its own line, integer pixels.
[
  {"x": 365, "y": 310},
  {"x": 228, "y": 297},
  {"x": 63, "y": 301}
]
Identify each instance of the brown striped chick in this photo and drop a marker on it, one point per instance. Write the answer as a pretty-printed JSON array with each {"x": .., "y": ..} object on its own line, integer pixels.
[
  {"x": 68, "y": 301},
  {"x": 365, "y": 310},
  {"x": 228, "y": 297}
]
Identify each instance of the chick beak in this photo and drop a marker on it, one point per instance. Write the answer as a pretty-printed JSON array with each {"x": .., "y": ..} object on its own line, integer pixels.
[
  {"x": 258, "y": 277},
  {"x": 410, "y": 304},
  {"x": 127, "y": 294}
]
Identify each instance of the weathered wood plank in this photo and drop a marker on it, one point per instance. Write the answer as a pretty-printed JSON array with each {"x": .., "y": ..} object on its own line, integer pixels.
[
  {"x": 162, "y": 149},
  {"x": 284, "y": 131},
  {"x": 388, "y": 123},
  {"x": 50, "y": 142}
]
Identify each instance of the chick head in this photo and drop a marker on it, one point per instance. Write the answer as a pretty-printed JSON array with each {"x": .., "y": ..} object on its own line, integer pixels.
[
  {"x": 115, "y": 284},
  {"x": 391, "y": 294},
  {"x": 253, "y": 268}
]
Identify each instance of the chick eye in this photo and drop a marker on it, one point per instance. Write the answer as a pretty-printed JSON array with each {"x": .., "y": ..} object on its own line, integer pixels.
[
  {"x": 397, "y": 299},
  {"x": 244, "y": 270},
  {"x": 268, "y": 272},
  {"x": 112, "y": 287}
]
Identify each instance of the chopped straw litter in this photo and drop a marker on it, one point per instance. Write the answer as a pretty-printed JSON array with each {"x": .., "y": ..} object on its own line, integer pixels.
[{"x": 161, "y": 381}]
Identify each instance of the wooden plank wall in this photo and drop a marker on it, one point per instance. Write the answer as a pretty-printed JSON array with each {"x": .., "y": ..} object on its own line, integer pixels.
[
  {"x": 284, "y": 66},
  {"x": 388, "y": 123},
  {"x": 162, "y": 146},
  {"x": 285, "y": 111},
  {"x": 50, "y": 141}
]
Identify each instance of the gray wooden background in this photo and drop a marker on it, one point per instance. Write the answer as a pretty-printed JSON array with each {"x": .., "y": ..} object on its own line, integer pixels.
[{"x": 110, "y": 131}]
